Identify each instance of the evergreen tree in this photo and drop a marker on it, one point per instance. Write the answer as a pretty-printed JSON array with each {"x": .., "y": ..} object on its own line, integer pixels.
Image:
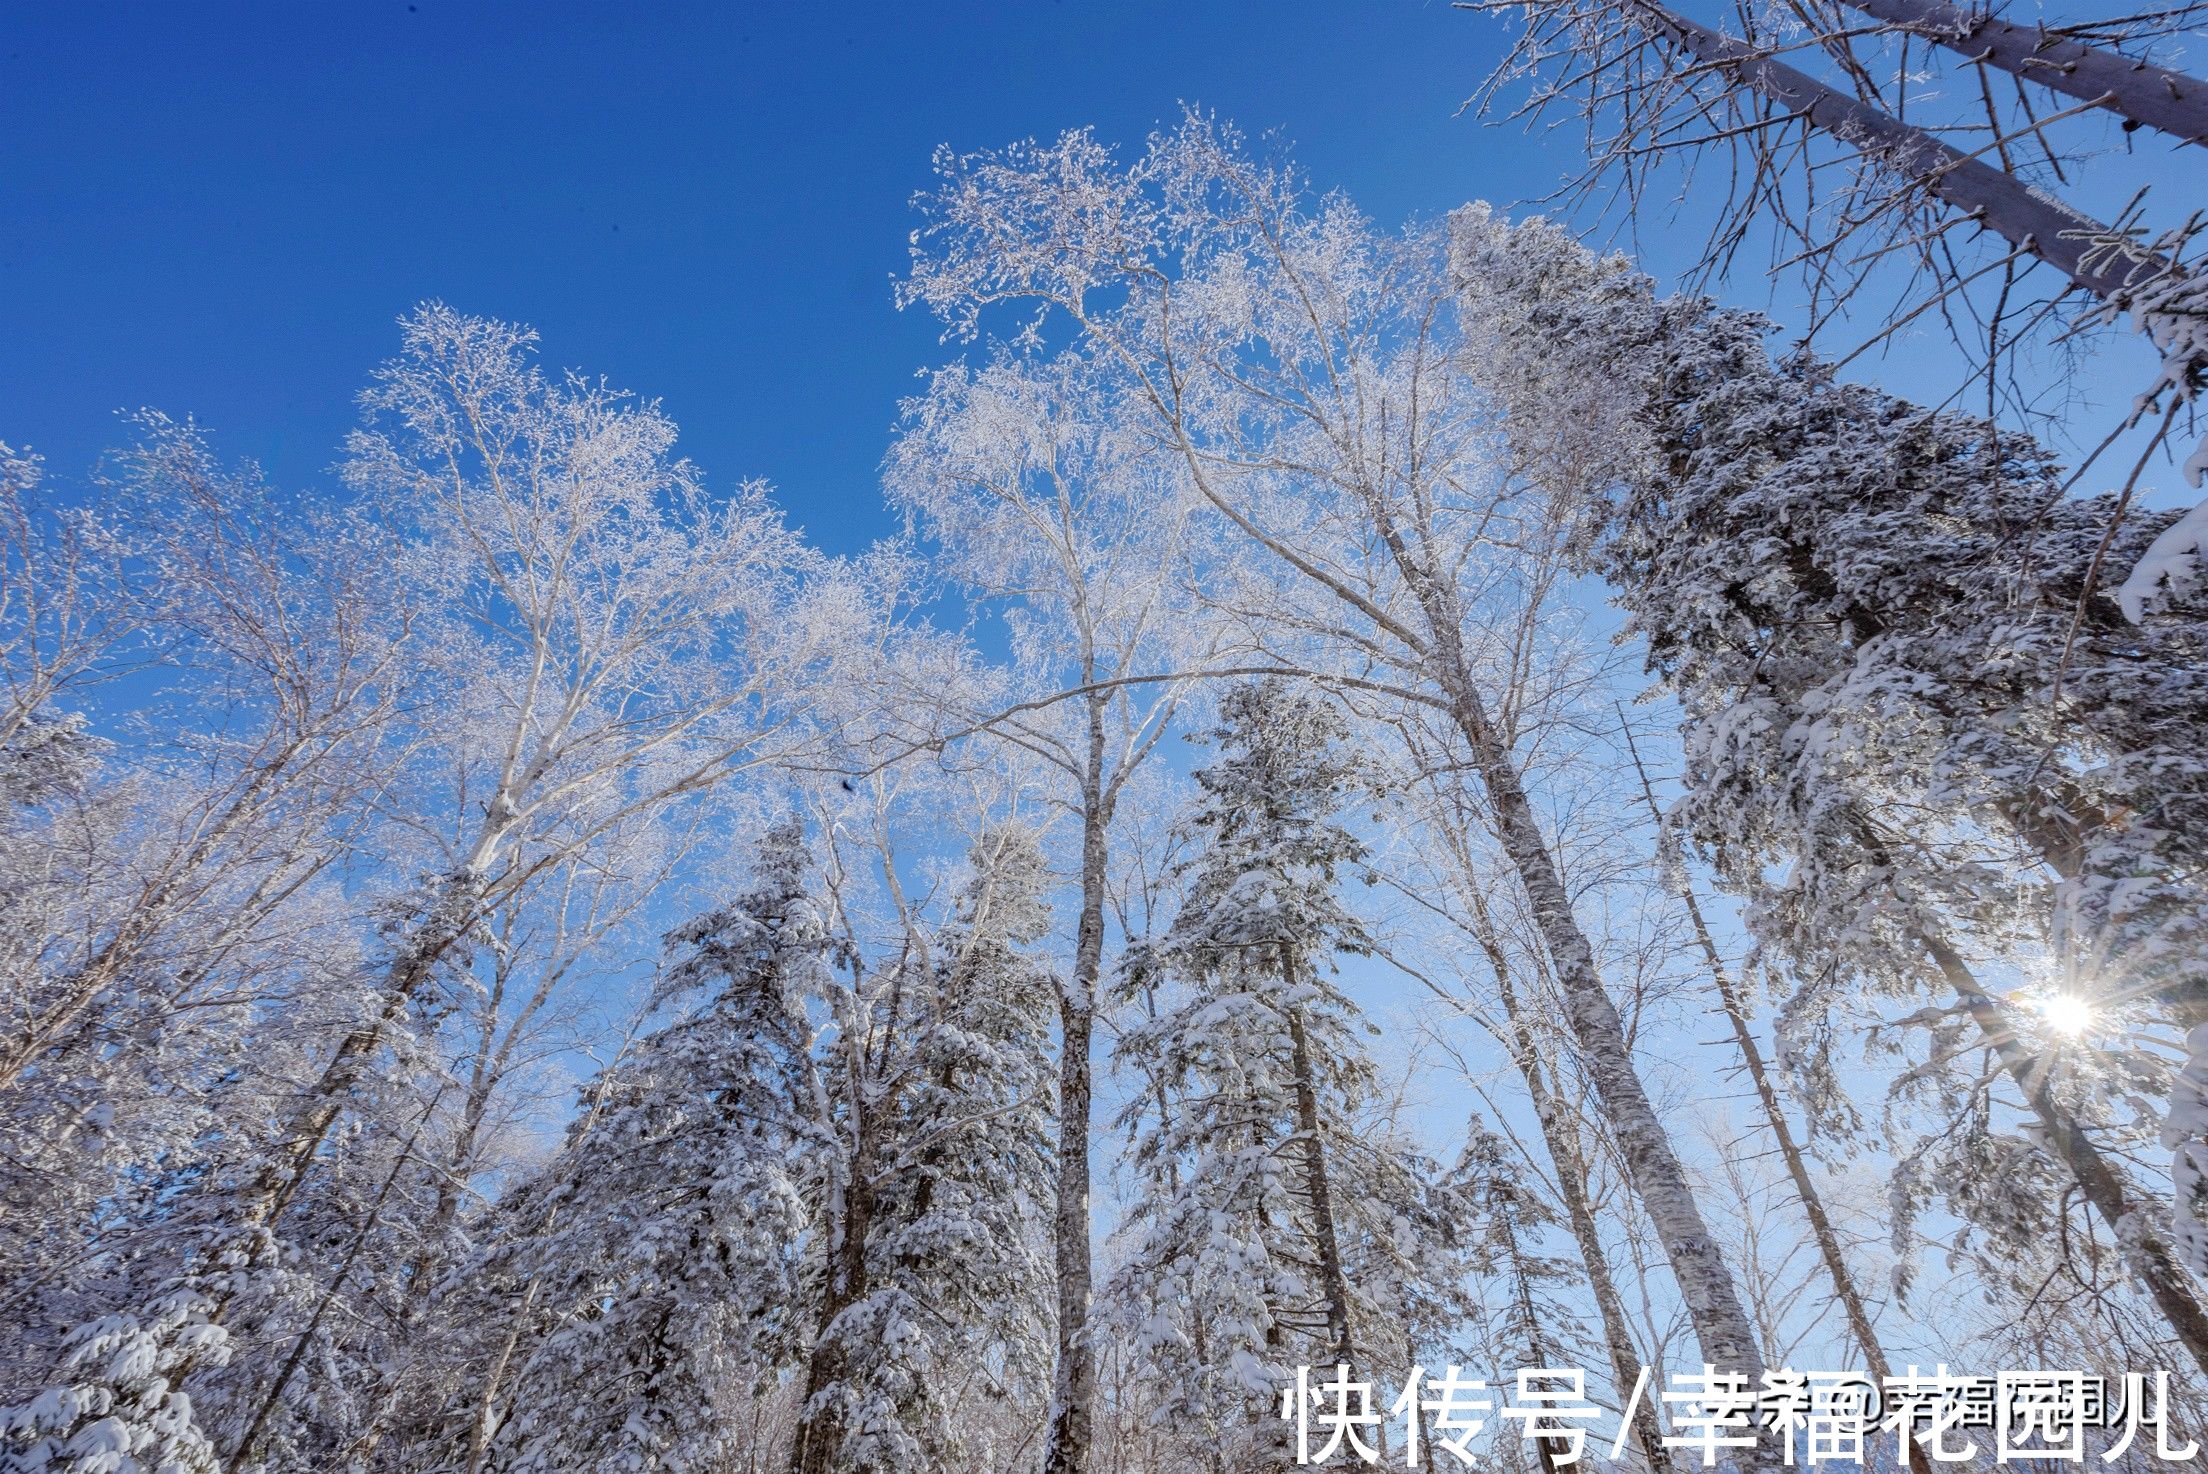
[
  {"x": 669, "y": 1240},
  {"x": 1915, "y": 731},
  {"x": 949, "y": 1277},
  {"x": 1274, "y": 1225}
]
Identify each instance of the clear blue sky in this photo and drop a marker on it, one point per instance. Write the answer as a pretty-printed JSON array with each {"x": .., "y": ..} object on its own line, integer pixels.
[{"x": 220, "y": 209}]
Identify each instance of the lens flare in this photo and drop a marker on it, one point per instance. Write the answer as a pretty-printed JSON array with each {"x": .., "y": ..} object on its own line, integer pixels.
[{"x": 2067, "y": 1014}]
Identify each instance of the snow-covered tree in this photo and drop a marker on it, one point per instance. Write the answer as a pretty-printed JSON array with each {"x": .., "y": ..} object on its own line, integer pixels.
[
  {"x": 934, "y": 1277},
  {"x": 1536, "y": 1324},
  {"x": 1916, "y": 730},
  {"x": 1044, "y": 501},
  {"x": 667, "y": 1244},
  {"x": 119, "y": 1408},
  {"x": 820, "y": 1176},
  {"x": 1274, "y": 1225},
  {"x": 528, "y": 631},
  {"x": 1305, "y": 367}
]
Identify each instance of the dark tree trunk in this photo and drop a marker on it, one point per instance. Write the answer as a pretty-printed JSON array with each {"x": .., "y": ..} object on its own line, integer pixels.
[
  {"x": 820, "y": 1426},
  {"x": 1326, "y": 1243}
]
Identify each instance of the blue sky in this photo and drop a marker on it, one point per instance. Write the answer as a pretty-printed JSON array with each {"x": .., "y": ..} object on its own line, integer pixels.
[{"x": 221, "y": 209}]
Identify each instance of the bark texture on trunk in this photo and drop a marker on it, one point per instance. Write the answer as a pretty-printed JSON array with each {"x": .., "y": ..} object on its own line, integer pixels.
[
  {"x": 1721, "y": 1325},
  {"x": 1705, "y": 1282},
  {"x": 1326, "y": 1242},
  {"x": 2028, "y": 218},
  {"x": 1073, "y": 1384},
  {"x": 820, "y": 1424},
  {"x": 2150, "y": 96}
]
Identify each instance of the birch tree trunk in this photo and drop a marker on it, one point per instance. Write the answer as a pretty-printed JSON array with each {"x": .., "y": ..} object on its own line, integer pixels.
[
  {"x": 2149, "y": 96},
  {"x": 1073, "y": 1384},
  {"x": 1722, "y": 1328},
  {"x": 1797, "y": 1169},
  {"x": 1705, "y": 1282},
  {"x": 324, "y": 1101},
  {"x": 142, "y": 925}
]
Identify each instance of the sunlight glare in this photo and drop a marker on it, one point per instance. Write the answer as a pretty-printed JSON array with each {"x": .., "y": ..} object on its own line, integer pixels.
[{"x": 2067, "y": 1014}]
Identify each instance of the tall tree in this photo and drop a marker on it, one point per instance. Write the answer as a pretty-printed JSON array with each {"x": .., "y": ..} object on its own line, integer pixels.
[
  {"x": 1273, "y": 1227},
  {"x": 1042, "y": 502},
  {"x": 669, "y": 1236},
  {"x": 1301, "y": 366},
  {"x": 1873, "y": 696}
]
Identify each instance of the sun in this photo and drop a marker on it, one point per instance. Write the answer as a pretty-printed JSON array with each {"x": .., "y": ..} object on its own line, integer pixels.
[{"x": 2068, "y": 1014}]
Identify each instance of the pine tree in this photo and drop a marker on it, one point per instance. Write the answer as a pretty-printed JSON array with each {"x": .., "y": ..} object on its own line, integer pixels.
[
  {"x": 936, "y": 1275},
  {"x": 669, "y": 1239},
  {"x": 1915, "y": 730},
  {"x": 1273, "y": 1226}
]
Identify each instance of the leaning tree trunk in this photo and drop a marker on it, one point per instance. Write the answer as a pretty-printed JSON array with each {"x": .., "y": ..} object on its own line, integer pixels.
[
  {"x": 1705, "y": 1282},
  {"x": 1774, "y": 1116},
  {"x": 2153, "y": 287},
  {"x": 1073, "y": 1384},
  {"x": 141, "y": 927},
  {"x": 325, "y": 1101},
  {"x": 1326, "y": 1242},
  {"x": 1562, "y": 1139},
  {"x": 2098, "y": 1180},
  {"x": 1797, "y": 1170},
  {"x": 2144, "y": 95},
  {"x": 1727, "y": 1340}
]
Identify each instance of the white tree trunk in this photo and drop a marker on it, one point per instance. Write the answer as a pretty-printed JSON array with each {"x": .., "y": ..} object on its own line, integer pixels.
[{"x": 2150, "y": 96}]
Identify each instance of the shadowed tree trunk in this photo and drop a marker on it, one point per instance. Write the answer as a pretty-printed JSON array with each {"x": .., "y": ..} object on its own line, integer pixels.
[{"x": 1326, "y": 1243}]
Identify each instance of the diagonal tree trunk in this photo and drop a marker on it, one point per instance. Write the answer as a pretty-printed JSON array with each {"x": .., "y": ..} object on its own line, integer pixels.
[
  {"x": 1705, "y": 1282},
  {"x": 1774, "y": 1116},
  {"x": 1722, "y": 1329},
  {"x": 2030, "y": 219},
  {"x": 2145, "y": 95}
]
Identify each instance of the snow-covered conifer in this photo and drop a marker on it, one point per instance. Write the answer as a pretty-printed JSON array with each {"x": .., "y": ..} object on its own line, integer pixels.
[{"x": 1275, "y": 1223}]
